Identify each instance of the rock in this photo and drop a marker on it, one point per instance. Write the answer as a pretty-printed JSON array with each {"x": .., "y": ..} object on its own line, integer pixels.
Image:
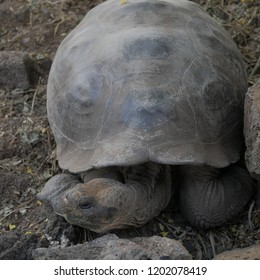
[
  {"x": 248, "y": 253},
  {"x": 163, "y": 248},
  {"x": 111, "y": 247},
  {"x": 252, "y": 129},
  {"x": 15, "y": 245},
  {"x": 17, "y": 70}
]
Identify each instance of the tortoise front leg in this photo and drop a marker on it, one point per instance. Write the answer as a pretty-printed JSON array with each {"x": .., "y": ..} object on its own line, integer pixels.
[
  {"x": 209, "y": 197},
  {"x": 110, "y": 172}
]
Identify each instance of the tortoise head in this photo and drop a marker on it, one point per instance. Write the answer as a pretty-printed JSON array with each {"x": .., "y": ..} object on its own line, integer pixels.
[{"x": 99, "y": 205}]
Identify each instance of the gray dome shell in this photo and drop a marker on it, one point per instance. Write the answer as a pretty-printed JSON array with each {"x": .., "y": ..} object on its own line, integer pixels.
[{"x": 146, "y": 81}]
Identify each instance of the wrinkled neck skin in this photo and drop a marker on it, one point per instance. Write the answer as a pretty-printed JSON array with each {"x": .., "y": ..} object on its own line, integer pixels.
[
  {"x": 150, "y": 189},
  {"x": 144, "y": 191}
]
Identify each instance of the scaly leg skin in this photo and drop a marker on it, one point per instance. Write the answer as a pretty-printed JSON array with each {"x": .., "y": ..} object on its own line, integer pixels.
[
  {"x": 210, "y": 197},
  {"x": 108, "y": 200}
]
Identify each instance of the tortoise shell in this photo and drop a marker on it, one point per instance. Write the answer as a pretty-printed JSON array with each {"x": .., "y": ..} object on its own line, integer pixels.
[{"x": 147, "y": 81}]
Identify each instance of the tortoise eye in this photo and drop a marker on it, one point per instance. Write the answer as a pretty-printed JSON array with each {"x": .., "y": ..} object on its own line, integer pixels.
[{"x": 85, "y": 205}]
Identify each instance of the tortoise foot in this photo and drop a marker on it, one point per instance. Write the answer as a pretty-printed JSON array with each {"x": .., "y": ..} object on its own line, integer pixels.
[{"x": 210, "y": 197}]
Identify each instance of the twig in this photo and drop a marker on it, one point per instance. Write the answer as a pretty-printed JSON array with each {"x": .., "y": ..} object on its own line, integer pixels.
[
  {"x": 15, "y": 210},
  {"x": 250, "y": 223},
  {"x": 203, "y": 245},
  {"x": 36, "y": 223},
  {"x": 3, "y": 33},
  {"x": 212, "y": 243},
  {"x": 31, "y": 14},
  {"x": 166, "y": 225},
  {"x": 43, "y": 162},
  {"x": 49, "y": 141},
  {"x": 88, "y": 236},
  {"x": 11, "y": 108},
  {"x": 62, "y": 18},
  {"x": 35, "y": 93},
  {"x": 53, "y": 3},
  {"x": 33, "y": 101},
  {"x": 252, "y": 17},
  {"x": 257, "y": 66}
]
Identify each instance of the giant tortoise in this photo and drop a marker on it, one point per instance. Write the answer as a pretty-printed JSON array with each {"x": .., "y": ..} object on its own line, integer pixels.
[{"x": 145, "y": 101}]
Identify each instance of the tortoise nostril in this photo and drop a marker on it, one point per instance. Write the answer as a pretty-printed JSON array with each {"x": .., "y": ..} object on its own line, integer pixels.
[{"x": 65, "y": 198}]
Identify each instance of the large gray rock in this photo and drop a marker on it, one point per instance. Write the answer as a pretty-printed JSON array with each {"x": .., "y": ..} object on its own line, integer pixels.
[
  {"x": 111, "y": 247},
  {"x": 17, "y": 70},
  {"x": 248, "y": 253},
  {"x": 252, "y": 129}
]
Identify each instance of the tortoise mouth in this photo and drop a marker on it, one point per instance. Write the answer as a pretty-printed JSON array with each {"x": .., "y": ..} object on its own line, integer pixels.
[{"x": 99, "y": 219}]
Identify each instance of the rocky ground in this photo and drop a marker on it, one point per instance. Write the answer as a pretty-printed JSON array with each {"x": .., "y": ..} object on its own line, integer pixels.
[{"x": 27, "y": 148}]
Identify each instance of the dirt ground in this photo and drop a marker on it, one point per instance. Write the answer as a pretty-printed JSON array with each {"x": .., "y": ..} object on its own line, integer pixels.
[{"x": 27, "y": 148}]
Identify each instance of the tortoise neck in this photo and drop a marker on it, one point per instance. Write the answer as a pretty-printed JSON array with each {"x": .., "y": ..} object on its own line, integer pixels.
[
  {"x": 147, "y": 189},
  {"x": 150, "y": 186}
]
